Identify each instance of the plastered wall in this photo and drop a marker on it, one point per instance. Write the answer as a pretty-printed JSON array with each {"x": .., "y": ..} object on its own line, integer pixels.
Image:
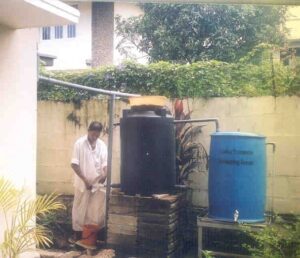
[{"x": 18, "y": 82}]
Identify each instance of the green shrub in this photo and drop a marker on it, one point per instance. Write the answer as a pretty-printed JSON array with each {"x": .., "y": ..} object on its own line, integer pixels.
[
  {"x": 200, "y": 79},
  {"x": 280, "y": 239}
]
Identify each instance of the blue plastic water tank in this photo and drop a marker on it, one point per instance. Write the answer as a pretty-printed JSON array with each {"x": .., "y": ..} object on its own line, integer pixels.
[{"x": 237, "y": 177}]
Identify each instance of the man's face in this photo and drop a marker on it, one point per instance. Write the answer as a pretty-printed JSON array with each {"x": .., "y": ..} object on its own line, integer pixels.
[{"x": 93, "y": 135}]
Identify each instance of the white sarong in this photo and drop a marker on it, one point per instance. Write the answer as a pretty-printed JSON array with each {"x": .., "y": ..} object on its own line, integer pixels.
[{"x": 88, "y": 208}]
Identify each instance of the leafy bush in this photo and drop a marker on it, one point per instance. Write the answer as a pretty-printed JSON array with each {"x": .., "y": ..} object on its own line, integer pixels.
[
  {"x": 60, "y": 225},
  {"x": 20, "y": 213},
  {"x": 191, "y": 155},
  {"x": 281, "y": 239},
  {"x": 200, "y": 79}
]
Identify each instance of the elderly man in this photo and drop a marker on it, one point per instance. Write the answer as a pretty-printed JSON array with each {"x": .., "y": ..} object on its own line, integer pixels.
[{"x": 89, "y": 163}]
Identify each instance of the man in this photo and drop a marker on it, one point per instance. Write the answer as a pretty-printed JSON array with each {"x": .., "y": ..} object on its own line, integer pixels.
[{"x": 89, "y": 163}]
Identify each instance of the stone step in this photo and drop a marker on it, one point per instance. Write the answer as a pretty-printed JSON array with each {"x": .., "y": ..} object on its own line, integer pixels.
[
  {"x": 105, "y": 253},
  {"x": 58, "y": 254}
]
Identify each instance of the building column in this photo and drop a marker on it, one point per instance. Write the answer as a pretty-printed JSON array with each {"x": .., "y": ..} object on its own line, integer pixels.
[
  {"x": 18, "y": 109},
  {"x": 102, "y": 33}
]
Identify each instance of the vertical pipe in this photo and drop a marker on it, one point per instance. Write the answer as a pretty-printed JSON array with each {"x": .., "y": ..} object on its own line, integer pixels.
[
  {"x": 109, "y": 159},
  {"x": 273, "y": 75},
  {"x": 272, "y": 177}
]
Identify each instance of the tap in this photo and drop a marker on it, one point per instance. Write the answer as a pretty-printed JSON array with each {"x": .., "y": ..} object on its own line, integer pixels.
[{"x": 236, "y": 215}]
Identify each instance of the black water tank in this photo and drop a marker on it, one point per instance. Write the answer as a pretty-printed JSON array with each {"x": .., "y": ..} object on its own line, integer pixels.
[{"x": 147, "y": 151}]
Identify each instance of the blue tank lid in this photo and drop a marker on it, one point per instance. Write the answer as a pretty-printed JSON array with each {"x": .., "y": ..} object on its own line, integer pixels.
[{"x": 238, "y": 134}]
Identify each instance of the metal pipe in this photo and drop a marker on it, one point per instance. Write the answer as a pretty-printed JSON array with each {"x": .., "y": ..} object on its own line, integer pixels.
[
  {"x": 273, "y": 145},
  {"x": 109, "y": 159},
  {"x": 82, "y": 87},
  {"x": 215, "y": 120},
  {"x": 118, "y": 185},
  {"x": 181, "y": 187}
]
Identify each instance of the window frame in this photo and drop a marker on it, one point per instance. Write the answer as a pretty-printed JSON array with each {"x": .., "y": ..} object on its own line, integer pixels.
[
  {"x": 46, "y": 33},
  {"x": 71, "y": 30},
  {"x": 58, "y": 32}
]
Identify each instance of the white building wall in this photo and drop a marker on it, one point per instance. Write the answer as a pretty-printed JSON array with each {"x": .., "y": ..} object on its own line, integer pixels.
[
  {"x": 293, "y": 23},
  {"x": 71, "y": 53},
  {"x": 126, "y": 10},
  {"x": 18, "y": 109}
]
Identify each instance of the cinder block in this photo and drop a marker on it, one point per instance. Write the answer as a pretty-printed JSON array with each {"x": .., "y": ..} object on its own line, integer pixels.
[{"x": 122, "y": 219}]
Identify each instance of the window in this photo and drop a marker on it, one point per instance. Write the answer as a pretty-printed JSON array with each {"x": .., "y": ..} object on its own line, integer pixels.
[
  {"x": 58, "y": 32},
  {"x": 71, "y": 30},
  {"x": 46, "y": 33}
]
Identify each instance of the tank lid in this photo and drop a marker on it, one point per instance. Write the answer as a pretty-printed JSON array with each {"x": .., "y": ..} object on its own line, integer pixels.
[
  {"x": 238, "y": 134},
  {"x": 158, "y": 101}
]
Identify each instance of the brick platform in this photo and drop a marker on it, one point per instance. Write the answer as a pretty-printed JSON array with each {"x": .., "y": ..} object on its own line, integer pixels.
[{"x": 147, "y": 226}]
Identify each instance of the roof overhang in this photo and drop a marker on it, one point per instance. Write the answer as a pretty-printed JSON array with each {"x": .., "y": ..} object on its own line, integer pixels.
[
  {"x": 258, "y": 2},
  {"x": 47, "y": 56},
  {"x": 18, "y": 14}
]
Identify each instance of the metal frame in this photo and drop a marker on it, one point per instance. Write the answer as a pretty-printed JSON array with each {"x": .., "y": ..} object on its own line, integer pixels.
[
  {"x": 112, "y": 97},
  {"x": 204, "y": 222}
]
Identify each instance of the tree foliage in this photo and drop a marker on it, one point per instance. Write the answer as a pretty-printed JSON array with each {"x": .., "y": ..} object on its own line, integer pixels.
[{"x": 189, "y": 33}]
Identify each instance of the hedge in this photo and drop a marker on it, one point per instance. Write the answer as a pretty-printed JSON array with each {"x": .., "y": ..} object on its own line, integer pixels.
[{"x": 201, "y": 79}]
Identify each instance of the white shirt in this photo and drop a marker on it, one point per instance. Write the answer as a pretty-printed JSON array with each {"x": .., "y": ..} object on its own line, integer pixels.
[{"x": 91, "y": 162}]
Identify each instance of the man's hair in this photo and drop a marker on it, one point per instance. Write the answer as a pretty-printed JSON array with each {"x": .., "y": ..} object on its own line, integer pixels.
[{"x": 95, "y": 126}]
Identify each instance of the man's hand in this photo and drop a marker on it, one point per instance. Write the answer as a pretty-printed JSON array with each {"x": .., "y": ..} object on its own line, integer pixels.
[
  {"x": 99, "y": 179},
  {"x": 102, "y": 179},
  {"x": 88, "y": 185},
  {"x": 104, "y": 175},
  {"x": 77, "y": 170}
]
